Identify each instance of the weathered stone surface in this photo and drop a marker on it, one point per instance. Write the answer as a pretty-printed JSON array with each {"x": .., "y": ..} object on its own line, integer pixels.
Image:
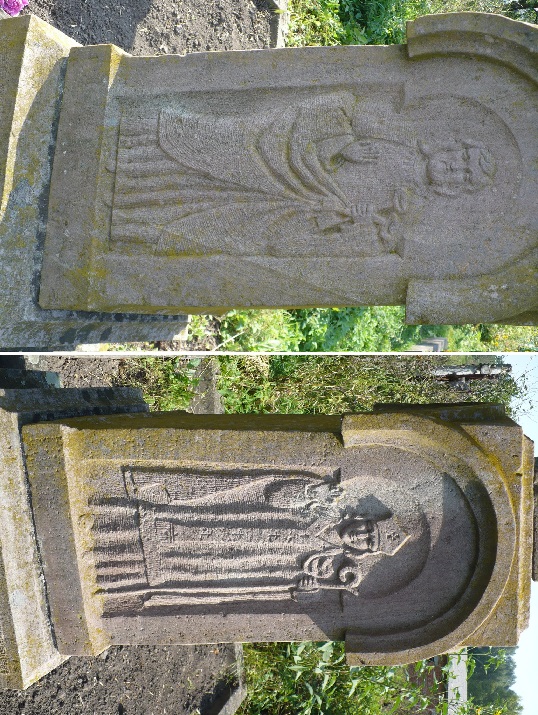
[
  {"x": 27, "y": 648},
  {"x": 535, "y": 549},
  {"x": 13, "y": 378},
  {"x": 406, "y": 532},
  {"x": 312, "y": 176},
  {"x": 34, "y": 54}
]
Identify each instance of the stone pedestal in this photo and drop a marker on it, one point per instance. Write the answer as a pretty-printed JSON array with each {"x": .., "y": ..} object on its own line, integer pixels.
[
  {"x": 27, "y": 646},
  {"x": 33, "y": 55},
  {"x": 407, "y": 532}
]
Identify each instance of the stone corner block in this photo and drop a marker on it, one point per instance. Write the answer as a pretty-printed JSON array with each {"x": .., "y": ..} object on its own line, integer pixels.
[
  {"x": 27, "y": 646},
  {"x": 34, "y": 57}
]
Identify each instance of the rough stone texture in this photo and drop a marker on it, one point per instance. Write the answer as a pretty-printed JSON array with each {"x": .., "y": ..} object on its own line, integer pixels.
[
  {"x": 13, "y": 378},
  {"x": 207, "y": 399},
  {"x": 27, "y": 649},
  {"x": 535, "y": 549},
  {"x": 406, "y": 533},
  {"x": 31, "y": 89},
  {"x": 312, "y": 176}
]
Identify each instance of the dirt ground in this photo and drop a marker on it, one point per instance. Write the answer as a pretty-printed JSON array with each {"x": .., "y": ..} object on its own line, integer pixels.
[
  {"x": 130, "y": 681},
  {"x": 148, "y": 27},
  {"x": 144, "y": 680}
]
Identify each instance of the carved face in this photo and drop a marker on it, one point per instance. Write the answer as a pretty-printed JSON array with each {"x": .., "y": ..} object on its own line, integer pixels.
[
  {"x": 449, "y": 167},
  {"x": 360, "y": 535},
  {"x": 460, "y": 167}
]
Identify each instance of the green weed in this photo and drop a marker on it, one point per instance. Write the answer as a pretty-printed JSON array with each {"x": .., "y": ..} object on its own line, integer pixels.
[
  {"x": 339, "y": 384},
  {"x": 166, "y": 383},
  {"x": 368, "y": 329}
]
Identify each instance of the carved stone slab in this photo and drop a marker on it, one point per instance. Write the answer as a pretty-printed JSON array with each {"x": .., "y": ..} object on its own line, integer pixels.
[
  {"x": 405, "y": 533},
  {"x": 315, "y": 176},
  {"x": 27, "y": 647}
]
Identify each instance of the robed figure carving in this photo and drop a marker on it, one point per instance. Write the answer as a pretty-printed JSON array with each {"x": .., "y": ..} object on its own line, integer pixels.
[
  {"x": 331, "y": 176},
  {"x": 248, "y": 537}
]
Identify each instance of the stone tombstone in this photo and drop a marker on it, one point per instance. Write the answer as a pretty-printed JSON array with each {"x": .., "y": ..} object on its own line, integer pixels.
[
  {"x": 326, "y": 176},
  {"x": 535, "y": 550},
  {"x": 406, "y": 532}
]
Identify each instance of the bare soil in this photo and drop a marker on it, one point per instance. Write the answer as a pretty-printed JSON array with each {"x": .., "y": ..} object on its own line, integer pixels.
[
  {"x": 123, "y": 680},
  {"x": 148, "y": 27}
]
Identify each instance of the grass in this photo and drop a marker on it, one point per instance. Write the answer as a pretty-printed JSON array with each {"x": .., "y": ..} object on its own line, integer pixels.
[
  {"x": 378, "y": 22},
  {"x": 310, "y": 383},
  {"x": 339, "y": 384},
  {"x": 166, "y": 383},
  {"x": 368, "y": 329}
]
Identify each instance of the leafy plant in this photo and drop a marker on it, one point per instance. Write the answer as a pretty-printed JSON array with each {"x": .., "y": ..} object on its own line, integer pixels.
[
  {"x": 316, "y": 22},
  {"x": 12, "y": 7},
  {"x": 166, "y": 383},
  {"x": 260, "y": 330},
  {"x": 381, "y": 22},
  {"x": 367, "y": 329},
  {"x": 313, "y": 679},
  {"x": 491, "y": 681},
  {"x": 339, "y": 384}
]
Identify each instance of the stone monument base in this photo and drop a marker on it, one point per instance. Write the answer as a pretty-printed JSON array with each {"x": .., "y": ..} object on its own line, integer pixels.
[
  {"x": 27, "y": 646},
  {"x": 34, "y": 55}
]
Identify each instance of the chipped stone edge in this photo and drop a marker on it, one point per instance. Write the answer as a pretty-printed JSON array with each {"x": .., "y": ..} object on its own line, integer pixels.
[
  {"x": 239, "y": 693},
  {"x": 29, "y": 649},
  {"x": 280, "y": 22},
  {"x": 487, "y": 35}
]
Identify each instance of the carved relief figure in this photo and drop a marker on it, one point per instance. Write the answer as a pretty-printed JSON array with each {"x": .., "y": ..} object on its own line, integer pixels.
[
  {"x": 259, "y": 537},
  {"x": 354, "y": 538},
  {"x": 328, "y": 176}
]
